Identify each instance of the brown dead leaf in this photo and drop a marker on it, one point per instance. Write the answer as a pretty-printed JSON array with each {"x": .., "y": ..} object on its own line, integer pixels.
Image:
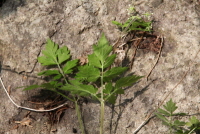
[
  {"x": 25, "y": 122},
  {"x": 83, "y": 60}
]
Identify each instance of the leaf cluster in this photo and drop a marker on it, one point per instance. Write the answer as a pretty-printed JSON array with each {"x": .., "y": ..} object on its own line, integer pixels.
[
  {"x": 134, "y": 23},
  {"x": 95, "y": 78},
  {"x": 176, "y": 126},
  {"x": 59, "y": 66}
]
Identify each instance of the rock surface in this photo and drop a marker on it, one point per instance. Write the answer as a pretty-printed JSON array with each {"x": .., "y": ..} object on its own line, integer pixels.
[{"x": 25, "y": 26}]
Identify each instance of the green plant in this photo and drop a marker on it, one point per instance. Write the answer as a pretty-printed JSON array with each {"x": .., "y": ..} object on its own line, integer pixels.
[
  {"x": 53, "y": 57},
  {"x": 167, "y": 116},
  {"x": 135, "y": 22},
  {"x": 97, "y": 79}
]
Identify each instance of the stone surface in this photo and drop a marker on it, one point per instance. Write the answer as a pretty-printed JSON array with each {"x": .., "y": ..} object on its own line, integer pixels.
[{"x": 25, "y": 26}]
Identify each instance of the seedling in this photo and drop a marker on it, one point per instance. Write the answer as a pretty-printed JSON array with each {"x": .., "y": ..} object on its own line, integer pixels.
[
  {"x": 97, "y": 79},
  {"x": 134, "y": 22},
  {"x": 176, "y": 126},
  {"x": 60, "y": 57}
]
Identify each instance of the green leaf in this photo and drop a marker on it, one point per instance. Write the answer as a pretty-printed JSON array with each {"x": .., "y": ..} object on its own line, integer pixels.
[
  {"x": 193, "y": 121},
  {"x": 179, "y": 114},
  {"x": 80, "y": 89},
  {"x": 117, "y": 23},
  {"x": 48, "y": 72},
  {"x": 32, "y": 87},
  {"x": 170, "y": 106},
  {"x": 50, "y": 56},
  {"x": 67, "y": 69},
  {"x": 108, "y": 88},
  {"x": 162, "y": 118},
  {"x": 112, "y": 96},
  {"x": 163, "y": 112},
  {"x": 57, "y": 77},
  {"x": 178, "y": 123},
  {"x": 88, "y": 72},
  {"x": 109, "y": 61},
  {"x": 119, "y": 91},
  {"x": 113, "y": 72},
  {"x": 112, "y": 99},
  {"x": 63, "y": 54},
  {"x": 46, "y": 61},
  {"x": 127, "y": 81},
  {"x": 93, "y": 60},
  {"x": 102, "y": 49},
  {"x": 51, "y": 85}
]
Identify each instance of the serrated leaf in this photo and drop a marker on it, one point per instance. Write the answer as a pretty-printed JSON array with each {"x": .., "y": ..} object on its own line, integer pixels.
[
  {"x": 112, "y": 99},
  {"x": 102, "y": 49},
  {"x": 80, "y": 89},
  {"x": 57, "y": 77},
  {"x": 108, "y": 88},
  {"x": 50, "y": 56},
  {"x": 113, "y": 72},
  {"x": 170, "y": 106},
  {"x": 178, "y": 123},
  {"x": 109, "y": 61},
  {"x": 193, "y": 121},
  {"x": 88, "y": 72},
  {"x": 94, "y": 60},
  {"x": 113, "y": 95},
  {"x": 49, "y": 72},
  {"x": 67, "y": 69},
  {"x": 46, "y": 61},
  {"x": 163, "y": 112},
  {"x": 127, "y": 81},
  {"x": 162, "y": 118},
  {"x": 119, "y": 91},
  {"x": 63, "y": 54},
  {"x": 31, "y": 87}
]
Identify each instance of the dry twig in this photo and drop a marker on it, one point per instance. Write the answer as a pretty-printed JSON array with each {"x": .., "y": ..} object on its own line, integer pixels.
[
  {"x": 157, "y": 58},
  {"x": 30, "y": 109}
]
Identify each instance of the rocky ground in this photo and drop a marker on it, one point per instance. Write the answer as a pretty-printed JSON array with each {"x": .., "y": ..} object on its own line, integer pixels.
[{"x": 25, "y": 25}]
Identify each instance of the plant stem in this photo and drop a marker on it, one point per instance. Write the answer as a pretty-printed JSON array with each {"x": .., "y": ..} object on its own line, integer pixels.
[
  {"x": 61, "y": 71},
  {"x": 102, "y": 117},
  {"x": 102, "y": 105},
  {"x": 78, "y": 112}
]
